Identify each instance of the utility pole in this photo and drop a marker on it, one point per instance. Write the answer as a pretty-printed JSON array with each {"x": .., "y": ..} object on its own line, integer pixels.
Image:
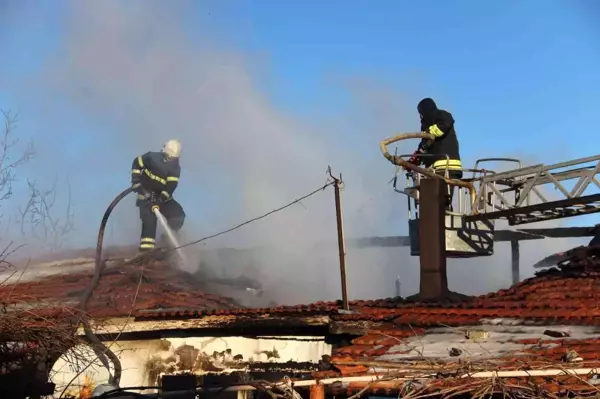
[{"x": 337, "y": 185}]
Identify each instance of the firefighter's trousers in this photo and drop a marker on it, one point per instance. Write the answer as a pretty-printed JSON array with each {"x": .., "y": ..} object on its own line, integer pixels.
[
  {"x": 171, "y": 210},
  {"x": 454, "y": 174}
]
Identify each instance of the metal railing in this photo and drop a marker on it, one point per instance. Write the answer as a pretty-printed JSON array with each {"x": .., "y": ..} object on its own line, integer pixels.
[
  {"x": 515, "y": 194},
  {"x": 528, "y": 179},
  {"x": 399, "y": 161}
]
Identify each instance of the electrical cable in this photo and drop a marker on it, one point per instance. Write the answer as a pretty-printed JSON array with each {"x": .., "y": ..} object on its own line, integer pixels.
[
  {"x": 256, "y": 218},
  {"x": 100, "y": 349},
  {"x": 297, "y": 200}
]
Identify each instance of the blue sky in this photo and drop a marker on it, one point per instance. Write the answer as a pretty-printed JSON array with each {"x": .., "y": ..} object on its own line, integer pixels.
[
  {"x": 520, "y": 77},
  {"x": 508, "y": 70}
]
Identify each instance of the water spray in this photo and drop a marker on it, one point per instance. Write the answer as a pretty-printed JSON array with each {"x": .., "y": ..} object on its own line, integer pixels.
[{"x": 170, "y": 234}]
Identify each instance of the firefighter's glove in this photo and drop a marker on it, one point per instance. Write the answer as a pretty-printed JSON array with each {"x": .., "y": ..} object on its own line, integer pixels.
[
  {"x": 161, "y": 199},
  {"x": 149, "y": 197},
  {"x": 153, "y": 199},
  {"x": 146, "y": 194},
  {"x": 415, "y": 159}
]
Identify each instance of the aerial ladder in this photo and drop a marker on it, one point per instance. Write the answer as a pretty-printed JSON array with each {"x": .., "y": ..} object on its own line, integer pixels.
[{"x": 483, "y": 197}]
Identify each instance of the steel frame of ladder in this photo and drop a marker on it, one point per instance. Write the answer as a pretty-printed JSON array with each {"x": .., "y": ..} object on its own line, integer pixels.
[{"x": 509, "y": 195}]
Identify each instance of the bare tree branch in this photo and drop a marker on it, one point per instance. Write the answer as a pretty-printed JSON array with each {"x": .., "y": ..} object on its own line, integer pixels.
[
  {"x": 29, "y": 340},
  {"x": 8, "y": 161},
  {"x": 38, "y": 221}
]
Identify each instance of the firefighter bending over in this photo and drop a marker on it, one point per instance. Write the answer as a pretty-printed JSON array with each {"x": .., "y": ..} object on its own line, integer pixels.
[
  {"x": 154, "y": 177},
  {"x": 442, "y": 153}
]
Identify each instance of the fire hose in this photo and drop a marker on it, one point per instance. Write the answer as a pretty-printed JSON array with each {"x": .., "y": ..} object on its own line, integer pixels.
[
  {"x": 396, "y": 160},
  {"x": 101, "y": 350}
]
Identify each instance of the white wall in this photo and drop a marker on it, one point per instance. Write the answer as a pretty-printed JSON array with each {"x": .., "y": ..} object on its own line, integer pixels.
[{"x": 136, "y": 356}]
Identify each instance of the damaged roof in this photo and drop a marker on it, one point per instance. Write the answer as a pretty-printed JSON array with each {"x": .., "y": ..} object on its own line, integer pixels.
[
  {"x": 566, "y": 295},
  {"x": 530, "y": 332},
  {"x": 516, "y": 341},
  {"x": 57, "y": 286}
]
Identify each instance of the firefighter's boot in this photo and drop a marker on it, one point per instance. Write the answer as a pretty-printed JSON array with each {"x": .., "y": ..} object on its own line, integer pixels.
[{"x": 143, "y": 251}]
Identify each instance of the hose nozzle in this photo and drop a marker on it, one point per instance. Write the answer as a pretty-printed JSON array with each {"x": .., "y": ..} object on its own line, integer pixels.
[{"x": 155, "y": 208}]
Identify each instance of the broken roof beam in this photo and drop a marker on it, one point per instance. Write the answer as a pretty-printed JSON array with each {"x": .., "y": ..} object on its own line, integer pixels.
[{"x": 151, "y": 324}]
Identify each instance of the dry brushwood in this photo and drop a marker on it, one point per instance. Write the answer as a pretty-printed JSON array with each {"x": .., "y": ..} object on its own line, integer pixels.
[
  {"x": 440, "y": 379},
  {"x": 420, "y": 385},
  {"x": 30, "y": 344}
]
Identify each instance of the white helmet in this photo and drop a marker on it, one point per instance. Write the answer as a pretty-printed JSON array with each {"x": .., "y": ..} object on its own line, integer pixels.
[{"x": 172, "y": 148}]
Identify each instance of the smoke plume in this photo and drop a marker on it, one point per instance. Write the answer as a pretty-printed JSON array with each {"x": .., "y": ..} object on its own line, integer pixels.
[{"x": 135, "y": 77}]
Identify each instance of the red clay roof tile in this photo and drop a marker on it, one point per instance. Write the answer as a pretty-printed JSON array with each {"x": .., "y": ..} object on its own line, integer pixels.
[
  {"x": 159, "y": 287},
  {"x": 554, "y": 296},
  {"x": 567, "y": 297},
  {"x": 415, "y": 335},
  {"x": 560, "y": 295}
]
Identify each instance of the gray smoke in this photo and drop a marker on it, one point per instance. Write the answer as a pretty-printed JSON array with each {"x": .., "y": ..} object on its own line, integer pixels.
[{"x": 136, "y": 78}]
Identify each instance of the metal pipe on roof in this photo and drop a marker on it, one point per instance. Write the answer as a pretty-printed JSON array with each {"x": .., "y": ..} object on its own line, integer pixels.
[
  {"x": 515, "y": 255},
  {"x": 374, "y": 378},
  {"x": 432, "y": 240}
]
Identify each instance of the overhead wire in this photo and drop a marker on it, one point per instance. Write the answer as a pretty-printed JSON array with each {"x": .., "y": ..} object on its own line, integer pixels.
[
  {"x": 99, "y": 269},
  {"x": 329, "y": 183},
  {"x": 281, "y": 208}
]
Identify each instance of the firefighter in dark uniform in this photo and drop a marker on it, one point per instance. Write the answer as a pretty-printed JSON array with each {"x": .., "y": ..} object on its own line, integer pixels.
[
  {"x": 442, "y": 153},
  {"x": 154, "y": 177}
]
